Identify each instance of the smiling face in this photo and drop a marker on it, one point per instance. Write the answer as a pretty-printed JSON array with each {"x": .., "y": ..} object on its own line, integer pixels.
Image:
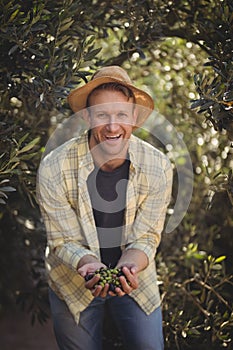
[{"x": 111, "y": 118}]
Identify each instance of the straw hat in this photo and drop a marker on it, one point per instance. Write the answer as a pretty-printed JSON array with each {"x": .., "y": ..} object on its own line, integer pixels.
[{"x": 78, "y": 98}]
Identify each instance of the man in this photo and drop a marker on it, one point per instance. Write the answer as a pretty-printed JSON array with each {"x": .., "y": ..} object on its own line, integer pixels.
[{"x": 103, "y": 197}]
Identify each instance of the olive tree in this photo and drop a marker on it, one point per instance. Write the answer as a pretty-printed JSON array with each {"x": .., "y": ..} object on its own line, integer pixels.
[{"x": 182, "y": 50}]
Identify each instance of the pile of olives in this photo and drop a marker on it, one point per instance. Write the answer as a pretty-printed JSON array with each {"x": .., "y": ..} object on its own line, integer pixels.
[{"x": 107, "y": 275}]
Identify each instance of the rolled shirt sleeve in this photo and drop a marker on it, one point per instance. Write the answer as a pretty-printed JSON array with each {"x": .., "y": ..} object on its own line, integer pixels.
[
  {"x": 151, "y": 212},
  {"x": 64, "y": 232}
]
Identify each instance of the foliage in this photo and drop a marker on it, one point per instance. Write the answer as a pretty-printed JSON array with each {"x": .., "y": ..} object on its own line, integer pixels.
[
  {"x": 43, "y": 54},
  {"x": 4, "y": 190},
  {"x": 216, "y": 87},
  {"x": 169, "y": 47},
  {"x": 196, "y": 300}
]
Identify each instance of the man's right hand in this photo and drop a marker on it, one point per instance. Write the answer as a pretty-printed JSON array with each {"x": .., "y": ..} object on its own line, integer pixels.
[
  {"x": 88, "y": 265},
  {"x": 96, "y": 289},
  {"x": 90, "y": 268}
]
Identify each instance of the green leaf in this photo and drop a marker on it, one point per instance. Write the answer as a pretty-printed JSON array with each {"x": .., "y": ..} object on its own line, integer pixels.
[
  {"x": 2, "y": 194},
  {"x": 7, "y": 189},
  {"x": 206, "y": 105},
  {"x": 29, "y": 146},
  {"x": 91, "y": 54},
  {"x": 14, "y": 160},
  {"x": 4, "y": 181},
  {"x": 220, "y": 259},
  {"x": 193, "y": 331},
  {"x": 13, "y": 15},
  {"x": 62, "y": 40},
  {"x": 217, "y": 267},
  {"x": 195, "y": 292},
  {"x": 38, "y": 27},
  {"x": 196, "y": 103},
  {"x": 90, "y": 40},
  {"x": 200, "y": 256},
  {"x": 23, "y": 138},
  {"x": 13, "y": 49},
  {"x": 28, "y": 156},
  {"x": 66, "y": 26}
]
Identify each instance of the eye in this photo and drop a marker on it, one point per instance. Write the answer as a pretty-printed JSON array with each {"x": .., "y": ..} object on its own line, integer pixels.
[
  {"x": 122, "y": 115},
  {"x": 101, "y": 115}
]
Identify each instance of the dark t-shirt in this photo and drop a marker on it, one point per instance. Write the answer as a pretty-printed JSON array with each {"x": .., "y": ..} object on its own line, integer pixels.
[{"x": 107, "y": 191}]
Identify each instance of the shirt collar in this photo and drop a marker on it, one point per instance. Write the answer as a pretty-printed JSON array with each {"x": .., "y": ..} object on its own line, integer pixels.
[
  {"x": 133, "y": 152},
  {"x": 84, "y": 153}
]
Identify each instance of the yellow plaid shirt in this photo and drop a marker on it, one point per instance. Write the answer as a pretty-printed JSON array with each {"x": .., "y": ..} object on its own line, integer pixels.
[{"x": 71, "y": 232}]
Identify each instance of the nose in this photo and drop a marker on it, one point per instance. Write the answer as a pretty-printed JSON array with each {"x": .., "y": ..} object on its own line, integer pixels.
[{"x": 112, "y": 124}]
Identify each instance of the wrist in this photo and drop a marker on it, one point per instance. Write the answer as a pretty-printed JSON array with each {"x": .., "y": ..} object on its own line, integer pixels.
[
  {"x": 133, "y": 258},
  {"x": 87, "y": 259}
]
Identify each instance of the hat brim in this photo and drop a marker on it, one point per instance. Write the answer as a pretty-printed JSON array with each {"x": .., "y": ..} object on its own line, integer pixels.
[{"x": 78, "y": 98}]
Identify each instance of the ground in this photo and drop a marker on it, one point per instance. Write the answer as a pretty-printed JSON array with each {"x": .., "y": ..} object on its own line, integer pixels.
[{"x": 17, "y": 333}]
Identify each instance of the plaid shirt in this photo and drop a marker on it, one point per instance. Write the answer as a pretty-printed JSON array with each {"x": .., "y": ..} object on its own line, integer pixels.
[{"x": 71, "y": 232}]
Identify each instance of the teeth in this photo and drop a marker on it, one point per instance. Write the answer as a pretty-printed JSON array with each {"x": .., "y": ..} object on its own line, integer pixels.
[{"x": 113, "y": 137}]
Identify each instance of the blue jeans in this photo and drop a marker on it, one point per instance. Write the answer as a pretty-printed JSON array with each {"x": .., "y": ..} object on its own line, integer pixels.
[{"x": 138, "y": 331}]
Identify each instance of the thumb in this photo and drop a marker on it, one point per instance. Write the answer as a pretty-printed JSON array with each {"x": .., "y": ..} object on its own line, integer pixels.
[
  {"x": 82, "y": 272},
  {"x": 134, "y": 270}
]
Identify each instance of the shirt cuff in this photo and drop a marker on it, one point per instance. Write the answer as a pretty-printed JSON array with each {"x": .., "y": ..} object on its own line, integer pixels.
[
  {"x": 71, "y": 253},
  {"x": 148, "y": 250}
]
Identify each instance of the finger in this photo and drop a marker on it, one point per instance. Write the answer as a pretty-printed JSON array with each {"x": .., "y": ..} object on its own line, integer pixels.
[
  {"x": 82, "y": 272},
  {"x": 100, "y": 291},
  {"x": 130, "y": 278},
  {"x": 96, "y": 291},
  {"x": 125, "y": 286},
  {"x": 129, "y": 272},
  {"x": 91, "y": 283},
  {"x": 134, "y": 270},
  {"x": 119, "y": 292},
  {"x": 104, "y": 291}
]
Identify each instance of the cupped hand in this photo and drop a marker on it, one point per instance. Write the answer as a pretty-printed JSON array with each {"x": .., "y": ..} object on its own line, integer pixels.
[
  {"x": 91, "y": 284},
  {"x": 90, "y": 268},
  {"x": 129, "y": 281}
]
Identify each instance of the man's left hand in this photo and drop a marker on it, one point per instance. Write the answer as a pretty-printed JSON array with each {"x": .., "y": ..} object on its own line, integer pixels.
[{"x": 129, "y": 282}]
